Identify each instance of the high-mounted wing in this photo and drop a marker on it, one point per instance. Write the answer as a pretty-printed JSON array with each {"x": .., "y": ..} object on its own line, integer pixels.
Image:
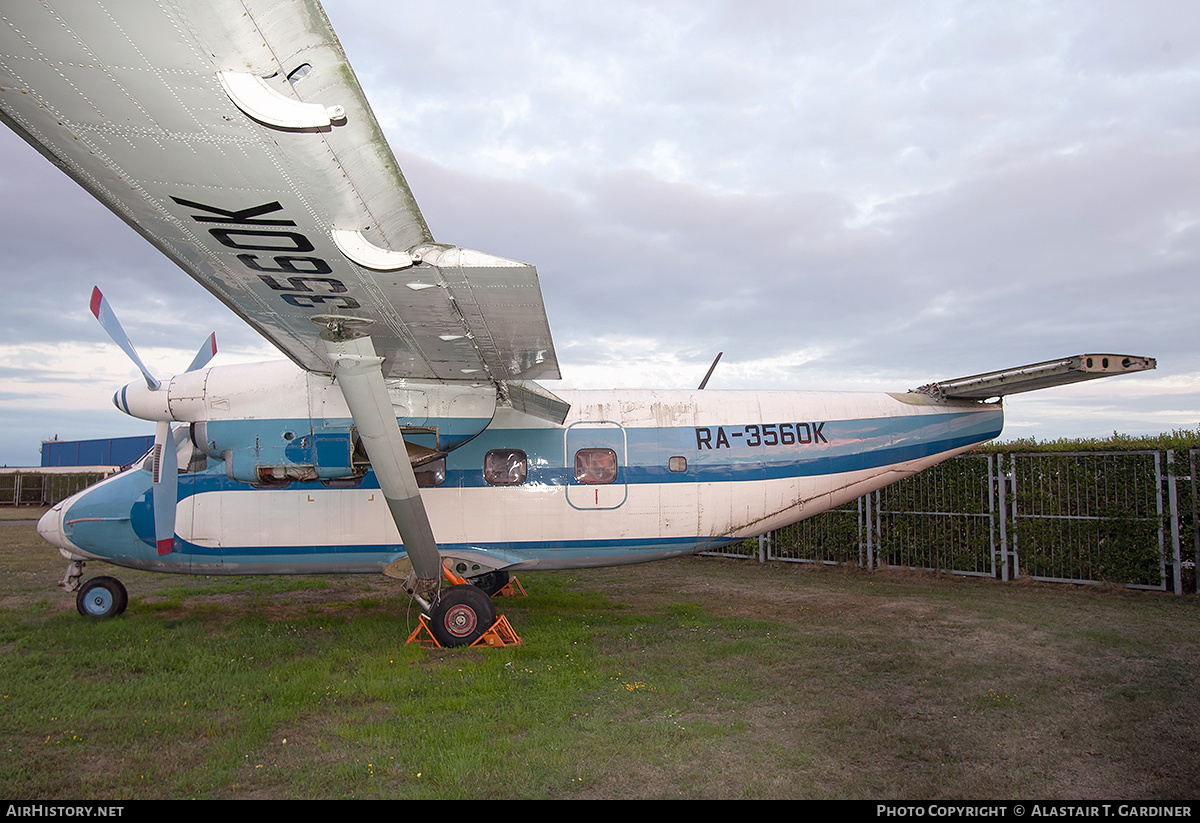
[{"x": 235, "y": 138}]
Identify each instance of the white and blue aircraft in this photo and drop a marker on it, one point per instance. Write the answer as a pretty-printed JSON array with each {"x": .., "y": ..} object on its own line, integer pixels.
[{"x": 404, "y": 433}]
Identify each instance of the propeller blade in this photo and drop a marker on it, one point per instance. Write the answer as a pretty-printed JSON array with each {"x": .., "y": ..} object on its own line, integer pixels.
[
  {"x": 164, "y": 493},
  {"x": 206, "y": 353},
  {"x": 108, "y": 320}
]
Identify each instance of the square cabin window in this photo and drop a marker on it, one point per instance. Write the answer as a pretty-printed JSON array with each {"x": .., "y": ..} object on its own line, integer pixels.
[
  {"x": 595, "y": 466},
  {"x": 432, "y": 473},
  {"x": 677, "y": 464},
  {"x": 505, "y": 467}
]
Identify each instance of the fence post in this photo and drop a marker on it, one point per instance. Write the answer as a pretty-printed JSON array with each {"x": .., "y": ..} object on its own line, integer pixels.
[
  {"x": 1195, "y": 524},
  {"x": 991, "y": 508},
  {"x": 1002, "y": 478},
  {"x": 864, "y": 524},
  {"x": 1173, "y": 502},
  {"x": 1158, "y": 508}
]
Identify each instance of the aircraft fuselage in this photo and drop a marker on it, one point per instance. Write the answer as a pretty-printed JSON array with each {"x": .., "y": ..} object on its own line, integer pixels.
[{"x": 276, "y": 486}]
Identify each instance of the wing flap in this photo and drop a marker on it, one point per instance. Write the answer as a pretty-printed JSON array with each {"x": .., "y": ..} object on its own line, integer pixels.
[{"x": 534, "y": 400}]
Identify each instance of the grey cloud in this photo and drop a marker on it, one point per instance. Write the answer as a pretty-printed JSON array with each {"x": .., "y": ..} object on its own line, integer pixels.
[{"x": 914, "y": 191}]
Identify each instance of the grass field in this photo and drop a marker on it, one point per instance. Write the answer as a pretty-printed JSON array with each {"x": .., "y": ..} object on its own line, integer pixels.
[{"x": 697, "y": 678}]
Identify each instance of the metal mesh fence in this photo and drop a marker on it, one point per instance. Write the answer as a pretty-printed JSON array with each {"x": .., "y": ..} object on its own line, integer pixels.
[
  {"x": 1089, "y": 517},
  {"x": 34, "y": 488},
  {"x": 833, "y": 537},
  {"x": 1128, "y": 518},
  {"x": 940, "y": 519}
]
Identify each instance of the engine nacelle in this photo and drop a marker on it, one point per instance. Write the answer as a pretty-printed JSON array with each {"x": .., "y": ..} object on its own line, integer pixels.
[
  {"x": 299, "y": 451},
  {"x": 272, "y": 423}
]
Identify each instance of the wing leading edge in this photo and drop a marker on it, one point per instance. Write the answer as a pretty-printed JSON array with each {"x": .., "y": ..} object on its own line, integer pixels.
[{"x": 236, "y": 139}]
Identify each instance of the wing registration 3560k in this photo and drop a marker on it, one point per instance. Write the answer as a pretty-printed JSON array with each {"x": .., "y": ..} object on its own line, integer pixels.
[{"x": 235, "y": 138}]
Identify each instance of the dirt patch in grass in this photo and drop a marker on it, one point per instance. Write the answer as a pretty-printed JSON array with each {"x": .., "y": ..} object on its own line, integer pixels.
[{"x": 914, "y": 685}]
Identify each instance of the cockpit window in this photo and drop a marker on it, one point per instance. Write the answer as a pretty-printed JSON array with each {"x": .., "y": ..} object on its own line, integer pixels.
[
  {"x": 505, "y": 467},
  {"x": 197, "y": 461},
  {"x": 145, "y": 462}
]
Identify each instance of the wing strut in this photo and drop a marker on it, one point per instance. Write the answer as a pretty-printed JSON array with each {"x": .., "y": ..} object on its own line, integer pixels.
[{"x": 359, "y": 374}]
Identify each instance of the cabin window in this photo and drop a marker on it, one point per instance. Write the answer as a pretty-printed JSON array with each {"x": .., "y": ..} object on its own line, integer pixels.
[
  {"x": 505, "y": 467},
  {"x": 595, "y": 466},
  {"x": 432, "y": 473},
  {"x": 677, "y": 464}
]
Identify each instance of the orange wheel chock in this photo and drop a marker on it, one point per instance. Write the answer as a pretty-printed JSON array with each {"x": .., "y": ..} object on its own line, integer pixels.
[
  {"x": 512, "y": 588},
  {"x": 499, "y": 635},
  {"x": 454, "y": 579},
  {"x": 421, "y": 634}
]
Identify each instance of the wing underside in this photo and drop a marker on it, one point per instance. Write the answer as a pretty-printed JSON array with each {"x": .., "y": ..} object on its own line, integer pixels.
[{"x": 236, "y": 139}]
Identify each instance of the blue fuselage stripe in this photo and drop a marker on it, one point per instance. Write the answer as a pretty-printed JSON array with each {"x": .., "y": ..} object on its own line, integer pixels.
[
  {"x": 115, "y": 519},
  {"x": 847, "y": 446}
]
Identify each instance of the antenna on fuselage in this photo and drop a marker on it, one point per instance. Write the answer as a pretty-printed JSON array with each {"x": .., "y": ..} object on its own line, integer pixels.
[{"x": 704, "y": 382}]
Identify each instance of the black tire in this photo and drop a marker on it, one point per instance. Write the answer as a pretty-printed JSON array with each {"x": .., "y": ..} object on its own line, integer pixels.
[
  {"x": 101, "y": 598},
  {"x": 461, "y": 615},
  {"x": 491, "y": 582}
]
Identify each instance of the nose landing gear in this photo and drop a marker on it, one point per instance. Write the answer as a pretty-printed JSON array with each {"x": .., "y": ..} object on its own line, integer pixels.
[{"x": 101, "y": 598}]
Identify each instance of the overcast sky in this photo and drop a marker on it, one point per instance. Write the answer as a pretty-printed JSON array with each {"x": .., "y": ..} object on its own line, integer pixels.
[{"x": 863, "y": 196}]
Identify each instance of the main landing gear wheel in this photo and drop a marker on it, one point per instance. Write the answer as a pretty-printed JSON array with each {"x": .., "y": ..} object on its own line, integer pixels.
[
  {"x": 101, "y": 597},
  {"x": 461, "y": 615}
]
